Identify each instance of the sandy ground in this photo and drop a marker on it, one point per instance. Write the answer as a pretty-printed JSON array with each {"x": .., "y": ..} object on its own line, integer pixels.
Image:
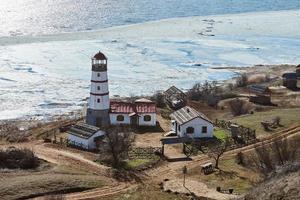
[{"x": 198, "y": 188}]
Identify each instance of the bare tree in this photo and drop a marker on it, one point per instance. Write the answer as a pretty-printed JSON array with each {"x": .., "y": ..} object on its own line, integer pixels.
[
  {"x": 216, "y": 151},
  {"x": 268, "y": 156},
  {"x": 242, "y": 80},
  {"x": 263, "y": 159},
  {"x": 118, "y": 141},
  {"x": 159, "y": 99}
]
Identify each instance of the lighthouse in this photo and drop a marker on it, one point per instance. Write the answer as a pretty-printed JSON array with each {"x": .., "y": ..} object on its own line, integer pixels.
[{"x": 98, "y": 107}]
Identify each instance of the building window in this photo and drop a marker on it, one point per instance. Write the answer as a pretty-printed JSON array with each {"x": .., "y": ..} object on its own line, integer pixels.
[
  {"x": 147, "y": 118},
  {"x": 120, "y": 118},
  {"x": 98, "y": 74},
  {"x": 179, "y": 128},
  {"x": 204, "y": 129},
  {"x": 98, "y": 100},
  {"x": 190, "y": 130},
  {"x": 98, "y": 87}
]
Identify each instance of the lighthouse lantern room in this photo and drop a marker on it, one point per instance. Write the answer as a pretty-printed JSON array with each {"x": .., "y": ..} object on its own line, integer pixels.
[{"x": 98, "y": 108}]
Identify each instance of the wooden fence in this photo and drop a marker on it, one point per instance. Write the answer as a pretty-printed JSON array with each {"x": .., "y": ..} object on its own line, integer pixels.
[
  {"x": 244, "y": 134},
  {"x": 144, "y": 152}
]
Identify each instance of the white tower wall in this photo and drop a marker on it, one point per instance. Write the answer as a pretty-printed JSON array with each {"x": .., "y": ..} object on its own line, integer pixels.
[{"x": 98, "y": 108}]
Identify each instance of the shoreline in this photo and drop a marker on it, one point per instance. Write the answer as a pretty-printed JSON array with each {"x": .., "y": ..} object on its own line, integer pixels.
[
  {"x": 261, "y": 70},
  {"x": 96, "y": 34}
]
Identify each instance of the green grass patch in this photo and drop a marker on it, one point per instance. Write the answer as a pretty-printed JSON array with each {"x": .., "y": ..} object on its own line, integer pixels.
[
  {"x": 220, "y": 134},
  {"x": 137, "y": 163},
  {"x": 131, "y": 164},
  {"x": 288, "y": 117}
]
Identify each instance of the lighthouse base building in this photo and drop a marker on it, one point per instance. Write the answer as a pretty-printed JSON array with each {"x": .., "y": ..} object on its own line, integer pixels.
[{"x": 102, "y": 113}]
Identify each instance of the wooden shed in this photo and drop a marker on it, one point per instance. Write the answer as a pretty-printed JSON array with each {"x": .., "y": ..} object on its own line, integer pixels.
[
  {"x": 175, "y": 97},
  {"x": 289, "y": 80},
  {"x": 298, "y": 71},
  {"x": 260, "y": 94}
]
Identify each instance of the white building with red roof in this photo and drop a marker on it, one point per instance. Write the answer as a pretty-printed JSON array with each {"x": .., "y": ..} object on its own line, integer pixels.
[{"x": 140, "y": 113}]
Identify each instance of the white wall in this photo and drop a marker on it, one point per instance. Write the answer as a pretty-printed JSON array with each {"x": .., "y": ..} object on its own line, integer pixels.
[
  {"x": 104, "y": 100},
  {"x": 113, "y": 119},
  {"x": 197, "y": 124},
  {"x": 87, "y": 143},
  {"x": 103, "y": 88},
  {"x": 103, "y": 76},
  {"x": 152, "y": 122},
  {"x": 79, "y": 140},
  {"x": 102, "y": 105}
]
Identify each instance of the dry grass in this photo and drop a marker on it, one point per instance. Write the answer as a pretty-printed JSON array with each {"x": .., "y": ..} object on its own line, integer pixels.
[
  {"x": 147, "y": 192},
  {"x": 24, "y": 184},
  {"x": 230, "y": 175},
  {"x": 288, "y": 118}
]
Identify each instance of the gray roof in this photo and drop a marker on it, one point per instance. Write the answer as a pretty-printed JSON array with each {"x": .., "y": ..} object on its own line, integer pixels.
[
  {"x": 187, "y": 114},
  {"x": 260, "y": 89},
  {"x": 173, "y": 91},
  {"x": 289, "y": 76},
  {"x": 83, "y": 130}
]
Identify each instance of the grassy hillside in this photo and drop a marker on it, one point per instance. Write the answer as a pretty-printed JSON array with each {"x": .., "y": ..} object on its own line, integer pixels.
[{"x": 288, "y": 117}]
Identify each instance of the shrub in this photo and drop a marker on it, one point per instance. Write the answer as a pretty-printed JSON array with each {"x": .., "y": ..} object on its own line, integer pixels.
[
  {"x": 277, "y": 120},
  {"x": 240, "y": 159},
  {"x": 14, "y": 158},
  {"x": 242, "y": 80},
  {"x": 159, "y": 99},
  {"x": 239, "y": 107}
]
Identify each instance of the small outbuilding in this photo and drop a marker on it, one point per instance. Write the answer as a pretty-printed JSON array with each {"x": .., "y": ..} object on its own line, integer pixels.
[
  {"x": 298, "y": 71},
  {"x": 289, "y": 80},
  {"x": 260, "y": 94},
  {"x": 188, "y": 122},
  {"x": 84, "y": 135},
  {"x": 175, "y": 97}
]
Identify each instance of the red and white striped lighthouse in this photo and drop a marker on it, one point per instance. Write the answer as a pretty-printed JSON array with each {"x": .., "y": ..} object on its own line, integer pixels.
[{"x": 98, "y": 108}]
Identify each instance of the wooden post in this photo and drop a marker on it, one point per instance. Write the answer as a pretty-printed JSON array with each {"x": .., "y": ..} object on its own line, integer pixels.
[
  {"x": 163, "y": 150},
  {"x": 184, "y": 171}
]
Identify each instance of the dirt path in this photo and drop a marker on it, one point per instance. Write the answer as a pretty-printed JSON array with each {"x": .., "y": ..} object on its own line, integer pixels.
[{"x": 171, "y": 170}]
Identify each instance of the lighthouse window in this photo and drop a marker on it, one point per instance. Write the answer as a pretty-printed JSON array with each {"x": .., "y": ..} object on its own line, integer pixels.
[
  {"x": 98, "y": 87},
  {"x": 98, "y": 100},
  {"x": 98, "y": 74},
  {"x": 147, "y": 118},
  {"x": 120, "y": 118}
]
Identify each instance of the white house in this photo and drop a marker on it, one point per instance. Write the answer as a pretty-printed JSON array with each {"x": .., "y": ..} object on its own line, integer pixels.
[
  {"x": 85, "y": 135},
  {"x": 140, "y": 113},
  {"x": 188, "y": 122}
]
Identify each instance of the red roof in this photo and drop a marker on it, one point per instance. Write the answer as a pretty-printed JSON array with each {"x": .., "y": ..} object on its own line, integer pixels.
[
  {"x": 137, "y": 107},
  {"x": 100, "y": 56}
]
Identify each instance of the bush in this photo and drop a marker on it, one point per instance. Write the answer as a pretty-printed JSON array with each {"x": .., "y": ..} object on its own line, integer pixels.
[
  {"x": 240, "y": 158},
  {"x": 14, "y": 158},
  {"x": 159, "y": 99},
  {"x": 242, "y": 80},
  {"x": 239, "y": 107},
  {"x": 277, "y": 120}
]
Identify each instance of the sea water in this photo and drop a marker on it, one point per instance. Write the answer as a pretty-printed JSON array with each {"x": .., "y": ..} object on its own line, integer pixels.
[{"x": 42, "y": 75}]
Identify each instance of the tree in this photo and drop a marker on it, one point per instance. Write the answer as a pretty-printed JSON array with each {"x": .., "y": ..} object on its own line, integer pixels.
[
  {"x": 216, "y": 151},
  {"x": 118, "y": 141}
]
